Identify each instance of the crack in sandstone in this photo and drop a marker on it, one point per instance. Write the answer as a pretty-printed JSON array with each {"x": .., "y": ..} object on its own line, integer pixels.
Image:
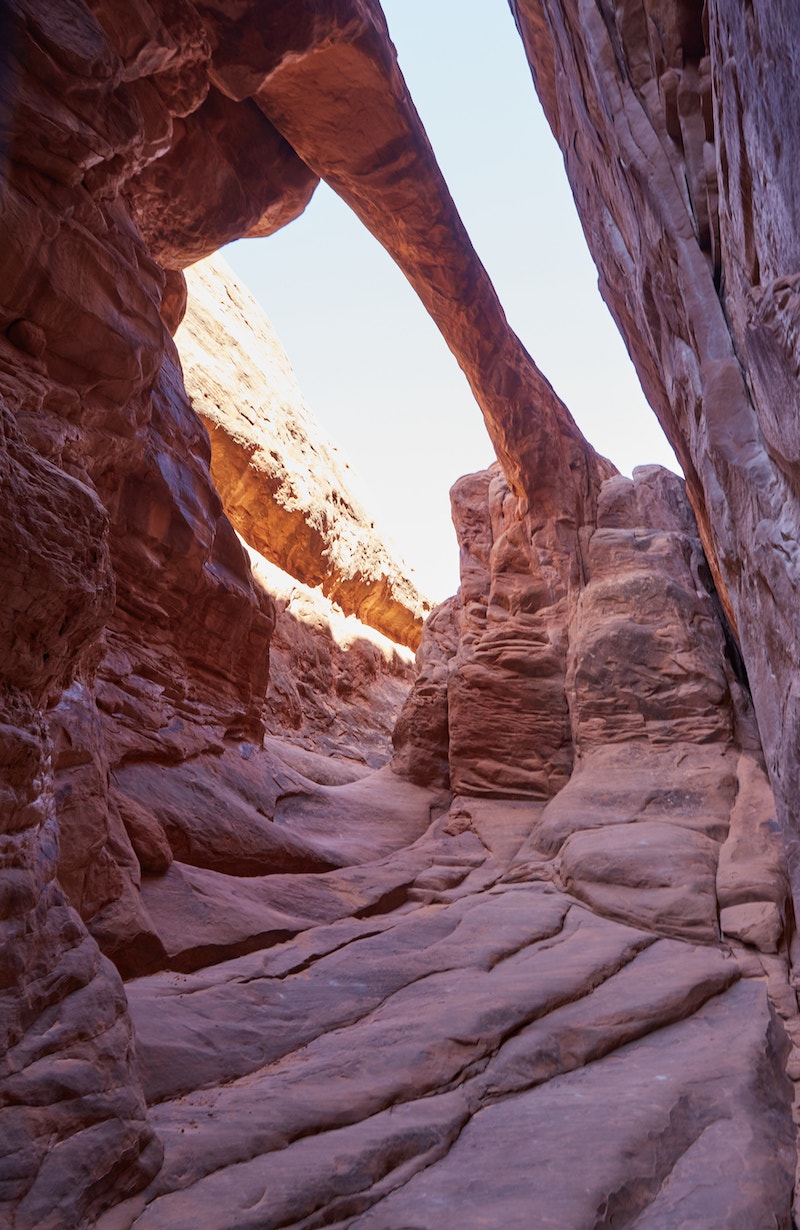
[
  {"x": 624, "y": 1207},
  {"x": 671, "y": 1145},
  {"x": 468, "y": 1074}
]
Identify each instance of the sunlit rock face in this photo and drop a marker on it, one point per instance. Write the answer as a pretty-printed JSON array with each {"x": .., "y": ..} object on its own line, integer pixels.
[
  {"x": 673, "y": 119},
  {"x": 360, "y": 998},
  {"x": 348, "y": 613},
  {"x": 285, "y": 487}
]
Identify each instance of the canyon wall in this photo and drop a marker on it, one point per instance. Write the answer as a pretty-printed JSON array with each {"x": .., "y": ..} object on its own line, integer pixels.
[
  {"x": 136, "y": 639},
  {"x": 359, "y": 996},
  {"x": 673, "y": 122},
  {"x": 348, "y": 613},
  {"x": 541, "y": 973}
]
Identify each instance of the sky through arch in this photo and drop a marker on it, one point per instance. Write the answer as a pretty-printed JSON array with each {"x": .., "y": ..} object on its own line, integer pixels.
[{"x": 372, "y": 365}]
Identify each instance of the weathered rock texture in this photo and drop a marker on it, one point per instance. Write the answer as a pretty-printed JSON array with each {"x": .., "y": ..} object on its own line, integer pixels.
[
  {"x": 360, "y": 998},
  {"x": 675, "y": 122},
  {"x": 285, "y": 487},
  {"x": 618, "y": 702},
  {"x": 336, "y": 686},
  {"x": 535, "y": 985},
  {"x": 328, "y": 79},
  {"x": 135, "y": 639}
]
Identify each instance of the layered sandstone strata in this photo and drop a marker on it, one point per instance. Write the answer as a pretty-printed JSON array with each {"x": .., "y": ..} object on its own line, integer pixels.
[
  {"x": 135, "y": 634},
  {"x": 285, "y": 486}
]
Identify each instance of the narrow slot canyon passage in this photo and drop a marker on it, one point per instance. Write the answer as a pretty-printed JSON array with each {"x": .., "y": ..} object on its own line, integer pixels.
[{"x": 322, "y": 904}]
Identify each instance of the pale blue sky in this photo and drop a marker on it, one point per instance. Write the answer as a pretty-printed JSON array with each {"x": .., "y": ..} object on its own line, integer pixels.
[{"x": 371, "y": 364}]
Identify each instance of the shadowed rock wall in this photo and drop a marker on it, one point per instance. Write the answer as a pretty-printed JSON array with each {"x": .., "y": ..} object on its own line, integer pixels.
[
  {"x": 133, "y": 631},
  {"x": 674, "y": 122},
  {"x": 136, "y": 638},
  {"x": 612, "y": 935}
]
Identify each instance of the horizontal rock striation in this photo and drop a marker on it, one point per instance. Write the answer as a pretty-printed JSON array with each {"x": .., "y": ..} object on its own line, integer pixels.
[
  {"x": 472, "y": 1034},
  {"x": 613, "y": 701},
  {"x": 134, "y": 632}
]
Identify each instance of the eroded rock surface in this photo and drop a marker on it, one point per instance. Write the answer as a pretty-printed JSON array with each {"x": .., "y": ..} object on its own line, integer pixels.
[
  {"x": 374, "y": 998},
  {"x": 487, "y": 1036},
  {"x": 336, "y": 686},
  {"x": 134, "y": 633},
  {"x": 439, "y": 1029},
  {"x": 673, "y": 122}
]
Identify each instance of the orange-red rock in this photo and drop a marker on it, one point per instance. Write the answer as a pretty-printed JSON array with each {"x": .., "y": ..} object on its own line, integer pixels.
[
  {"x": 365, "y": 1003},
  {"x": 251, "y": 185},
  {"x": 673, "y": 123},
  {"x": 110, "y": 522},
  {"x": 285, "y": 487},
  {"x": 318, "y": 72}
]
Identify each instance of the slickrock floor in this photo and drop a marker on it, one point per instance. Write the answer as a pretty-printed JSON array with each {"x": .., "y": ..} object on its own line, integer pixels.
[{"x": 469, "y": 1045}]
